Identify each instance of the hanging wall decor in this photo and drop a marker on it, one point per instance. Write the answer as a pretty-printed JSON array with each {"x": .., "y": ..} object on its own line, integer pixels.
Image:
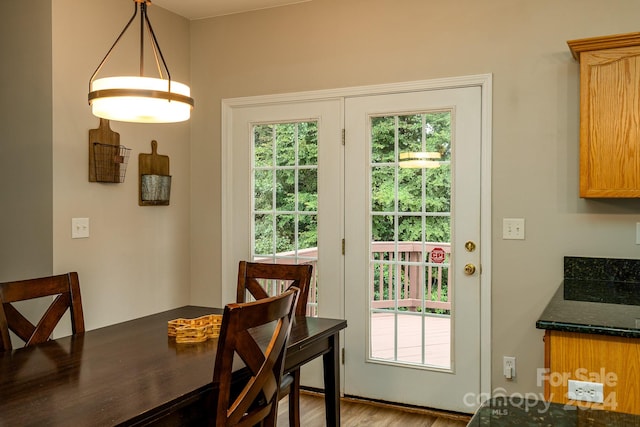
[
  {"x": 107, "y": 158},
  {"x": 154, "y": 179}
]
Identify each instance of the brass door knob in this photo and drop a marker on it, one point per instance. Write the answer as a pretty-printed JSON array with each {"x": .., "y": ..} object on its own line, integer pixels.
[{"x": 469, "y": 269}]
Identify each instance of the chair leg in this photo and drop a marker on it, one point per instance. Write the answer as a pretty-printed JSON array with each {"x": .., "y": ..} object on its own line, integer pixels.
[{"x": 294, "y": 400}]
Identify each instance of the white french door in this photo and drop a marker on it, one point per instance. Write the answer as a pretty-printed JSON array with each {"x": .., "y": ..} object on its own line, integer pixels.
[
  {"x": 283, "y": 197},
  {"x": 426, "y": 343},
  {"x": 413, "y": 312},
  {"x": 255, "y": 214}
]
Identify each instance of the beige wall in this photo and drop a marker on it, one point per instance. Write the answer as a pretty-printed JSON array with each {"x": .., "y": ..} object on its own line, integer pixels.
[
  {"x": 341, "y": 43},
  {"x": 25, "y": 139},
  {"x": 136, "y": 260}
]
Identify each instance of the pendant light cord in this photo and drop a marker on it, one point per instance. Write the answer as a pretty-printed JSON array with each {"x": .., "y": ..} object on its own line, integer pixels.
[
  {"x": 154, "y": 45},
  {"x": 157, "y": 52}
]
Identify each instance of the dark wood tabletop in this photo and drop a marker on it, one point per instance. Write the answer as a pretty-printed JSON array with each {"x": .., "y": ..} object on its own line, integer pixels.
[{"x": 132, "y": 373}]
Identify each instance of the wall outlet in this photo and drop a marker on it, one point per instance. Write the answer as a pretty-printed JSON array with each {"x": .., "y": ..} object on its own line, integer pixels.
[
  {"x": 586, "y": 391},
  {"x": 509, "y": 367}
]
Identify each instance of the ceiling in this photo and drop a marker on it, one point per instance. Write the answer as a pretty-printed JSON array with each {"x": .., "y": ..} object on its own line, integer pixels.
[{"x": 199, "y": 9}]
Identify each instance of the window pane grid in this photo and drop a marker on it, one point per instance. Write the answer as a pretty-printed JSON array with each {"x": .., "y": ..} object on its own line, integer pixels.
[
  {"x": 410, "y": 217},
  {"x": 284, "y": 201}
]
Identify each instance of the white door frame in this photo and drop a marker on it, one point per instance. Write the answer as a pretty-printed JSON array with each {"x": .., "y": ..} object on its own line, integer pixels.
[{"x": 484, "y": 81}]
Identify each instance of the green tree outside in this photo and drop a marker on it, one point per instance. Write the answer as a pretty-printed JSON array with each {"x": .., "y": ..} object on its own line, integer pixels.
[{"x": 410, "y": 205}]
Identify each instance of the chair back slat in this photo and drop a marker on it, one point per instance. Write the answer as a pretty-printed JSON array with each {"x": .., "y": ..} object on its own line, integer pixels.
[
  {"x": 256, "y": 333},
  {"x": 254, "y": 278},
  {"x": 65, "y": 288}
]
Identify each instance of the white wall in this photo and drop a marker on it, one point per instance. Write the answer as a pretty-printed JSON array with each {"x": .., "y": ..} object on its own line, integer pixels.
[
  {"x": 136, "y": 260},
  {"x": 327, "y": 44}
]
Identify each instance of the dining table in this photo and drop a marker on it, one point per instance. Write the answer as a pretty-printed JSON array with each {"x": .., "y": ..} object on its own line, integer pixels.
[{"x": 133, "y": 374}]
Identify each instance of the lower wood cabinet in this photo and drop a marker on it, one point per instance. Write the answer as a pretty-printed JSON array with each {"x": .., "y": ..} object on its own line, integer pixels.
[{"x": 610, "y": 360}]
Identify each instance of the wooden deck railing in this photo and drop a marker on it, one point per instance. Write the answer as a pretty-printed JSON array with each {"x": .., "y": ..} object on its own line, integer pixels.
[
  {"x": 305, "y": 256},
  {"x": 383, "y": 272},
  {"x": 409, "y": 265}
]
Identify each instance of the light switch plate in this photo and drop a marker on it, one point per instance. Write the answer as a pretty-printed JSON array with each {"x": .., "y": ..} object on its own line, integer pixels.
[
  {"x": 513, "y": 228},
  {"x": 79, "y": 228}
]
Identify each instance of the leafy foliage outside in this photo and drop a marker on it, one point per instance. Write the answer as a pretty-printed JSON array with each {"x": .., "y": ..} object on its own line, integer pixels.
[
  {"x": 421, "y": 193},
  {"x": 407, "y": 205},
  {"x": 285, "y": 186},
  {"x": 410, "y": 205}
]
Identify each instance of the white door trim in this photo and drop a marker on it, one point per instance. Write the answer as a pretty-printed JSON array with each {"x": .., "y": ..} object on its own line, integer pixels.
[{"x": 484, "y": 81}]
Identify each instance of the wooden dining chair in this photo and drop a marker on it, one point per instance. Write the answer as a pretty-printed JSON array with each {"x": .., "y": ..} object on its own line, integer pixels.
[
  {"x": 257, "y": 333},
  {"x": 66, "y": 290},
  {"x": 256, "y": 279}
]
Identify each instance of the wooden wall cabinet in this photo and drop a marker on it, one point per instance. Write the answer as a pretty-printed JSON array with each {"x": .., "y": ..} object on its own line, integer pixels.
[
  {"x": 609, "y": 115},
  {"x": 611, "y": 360}
]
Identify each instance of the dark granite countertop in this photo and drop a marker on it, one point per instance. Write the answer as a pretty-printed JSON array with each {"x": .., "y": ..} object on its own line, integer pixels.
[
  {"x": 597, "y": 296},
  {"x": 515, "y": 411}
]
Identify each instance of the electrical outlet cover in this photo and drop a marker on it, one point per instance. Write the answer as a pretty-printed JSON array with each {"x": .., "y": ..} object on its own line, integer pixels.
[{"x": 585, "y": 391}]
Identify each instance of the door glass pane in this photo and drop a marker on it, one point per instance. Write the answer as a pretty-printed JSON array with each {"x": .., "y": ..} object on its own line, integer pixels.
[
  {"x": 285, "y": 196},
  {"x": 410, "y": 309}
]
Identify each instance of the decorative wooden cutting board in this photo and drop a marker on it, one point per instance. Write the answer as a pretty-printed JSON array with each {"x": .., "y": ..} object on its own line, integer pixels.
[
  {"x": 103, "y": 136},
  {"x": 154, "y": 178}
]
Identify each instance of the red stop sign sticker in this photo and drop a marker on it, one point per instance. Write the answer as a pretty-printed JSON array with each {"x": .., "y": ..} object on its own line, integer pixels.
[{"x": 437, "y": 255}]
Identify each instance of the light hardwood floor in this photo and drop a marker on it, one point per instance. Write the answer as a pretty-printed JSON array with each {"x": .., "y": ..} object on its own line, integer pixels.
[{"x": 355, "y": 413}]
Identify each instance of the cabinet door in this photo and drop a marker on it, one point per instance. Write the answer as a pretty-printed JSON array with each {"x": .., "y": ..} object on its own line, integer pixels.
[
  {"x": 610, "y": 123},
  {"x": 611, "y": 361}
]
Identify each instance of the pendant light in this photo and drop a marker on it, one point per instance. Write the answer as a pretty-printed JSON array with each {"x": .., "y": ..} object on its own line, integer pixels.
[
  {"x": 420, "y": 159},
  {"x": 140, "y": 99}
]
